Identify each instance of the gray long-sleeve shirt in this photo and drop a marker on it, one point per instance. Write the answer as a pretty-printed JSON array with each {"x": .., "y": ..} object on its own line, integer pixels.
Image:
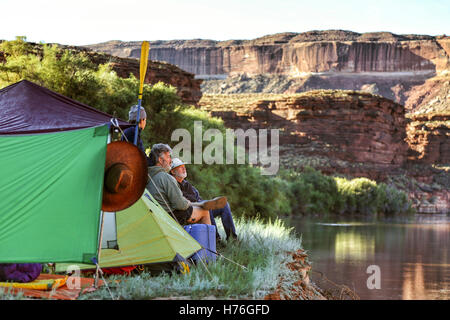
[{"x": 169, "y": 191}]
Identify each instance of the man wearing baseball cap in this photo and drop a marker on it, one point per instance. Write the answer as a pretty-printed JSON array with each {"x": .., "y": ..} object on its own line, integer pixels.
[{"x": 178, "y": 170}]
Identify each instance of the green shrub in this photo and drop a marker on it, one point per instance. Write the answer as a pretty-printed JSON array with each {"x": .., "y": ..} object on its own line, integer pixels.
[
  {"x": 394, "y": 200},
  {"x": 313, "y": 192},
  {"x": 361, "y": 195},
  {"x": 365, "y": 196}
]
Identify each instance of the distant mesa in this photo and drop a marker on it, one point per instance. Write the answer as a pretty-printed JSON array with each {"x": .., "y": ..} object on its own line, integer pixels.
[
  {"x": 394, "y": 66},
  {"x": 293, "y": 53}
]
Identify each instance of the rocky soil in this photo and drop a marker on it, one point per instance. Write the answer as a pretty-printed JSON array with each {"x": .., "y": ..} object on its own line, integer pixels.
[
  {"x": 433, "y": 96},
  {"x": 301, "y": 287}
]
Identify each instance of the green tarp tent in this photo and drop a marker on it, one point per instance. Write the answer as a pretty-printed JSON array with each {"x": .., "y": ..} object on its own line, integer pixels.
[
  {"x": 51, "y": 194},
  {"x": 146, "y": 234},
  {"x": 52, "y": 159}
]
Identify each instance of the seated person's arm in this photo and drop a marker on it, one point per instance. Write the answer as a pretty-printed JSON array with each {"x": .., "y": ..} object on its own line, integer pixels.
[
  {"x": 176, "y": 199},
  {"x": 197, "y": 194}
]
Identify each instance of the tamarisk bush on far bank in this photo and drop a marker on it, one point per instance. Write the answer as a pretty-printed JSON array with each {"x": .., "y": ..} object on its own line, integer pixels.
[{"x": 317, "y": 193}]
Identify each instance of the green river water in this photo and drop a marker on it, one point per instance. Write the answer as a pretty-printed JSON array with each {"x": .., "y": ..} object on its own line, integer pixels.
[{"x": 410, "y": 255}]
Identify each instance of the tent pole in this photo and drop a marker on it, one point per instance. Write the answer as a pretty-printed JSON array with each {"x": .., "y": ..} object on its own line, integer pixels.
[{"x": 99, "y": 250}]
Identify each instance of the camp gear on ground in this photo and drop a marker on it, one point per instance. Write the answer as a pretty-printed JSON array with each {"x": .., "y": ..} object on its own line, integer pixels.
[
  {"x": 216, "y": 203},
  {"x": 164, "y": 188},
  {"x": 125, "y": 176},
  {"x": 205, "y": 234},
  {"x": 63, "y": 287},
  {"x": 43, "y": 284},
  {"x": 146, "y": 235},
  {"x": 27, "y": 108},
  {"x": 19, "y": 272},
  {"x": 119, "y": 270},
  {"x": 51, "y": 195}
]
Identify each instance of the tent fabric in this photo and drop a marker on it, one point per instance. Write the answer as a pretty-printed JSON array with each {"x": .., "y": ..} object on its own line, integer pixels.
[
  {"x": 27, "y": 108},
  {"x": 146, "y": 234},
  {"x": 51, "y": 194}
]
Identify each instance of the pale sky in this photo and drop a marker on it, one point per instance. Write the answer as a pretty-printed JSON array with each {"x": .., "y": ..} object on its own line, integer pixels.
[{"x": 92, "y": 21}]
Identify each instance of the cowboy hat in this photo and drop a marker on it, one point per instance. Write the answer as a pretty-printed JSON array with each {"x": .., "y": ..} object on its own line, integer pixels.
[{"x": 125, "y": 176}]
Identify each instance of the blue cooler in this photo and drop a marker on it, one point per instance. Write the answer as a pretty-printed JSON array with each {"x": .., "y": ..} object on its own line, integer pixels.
[{"x": 205, "y": 234}]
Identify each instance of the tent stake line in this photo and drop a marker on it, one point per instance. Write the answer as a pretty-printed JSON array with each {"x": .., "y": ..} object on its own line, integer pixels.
[{"x": 221, "y": 255}]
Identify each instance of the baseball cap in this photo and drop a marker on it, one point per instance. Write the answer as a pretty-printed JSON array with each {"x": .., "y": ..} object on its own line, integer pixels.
[{"x": 176, "y": 163}]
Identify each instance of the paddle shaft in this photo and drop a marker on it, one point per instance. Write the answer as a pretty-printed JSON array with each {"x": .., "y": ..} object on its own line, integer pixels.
[{"x": 136, "y": 132}]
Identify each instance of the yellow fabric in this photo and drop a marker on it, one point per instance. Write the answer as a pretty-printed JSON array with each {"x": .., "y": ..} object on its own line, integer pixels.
[
  {"x": 46, "y": 284},
  {"x": 185, "y": 268},
  {"x": 146, "y": 234}
]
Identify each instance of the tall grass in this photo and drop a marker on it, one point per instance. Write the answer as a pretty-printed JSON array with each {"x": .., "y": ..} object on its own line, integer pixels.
[{"x": 262, "y": 250}]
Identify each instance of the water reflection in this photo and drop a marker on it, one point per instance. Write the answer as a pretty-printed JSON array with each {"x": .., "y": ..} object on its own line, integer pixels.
[
  {"x": 412, "y": 253},
  {"x": 353, "y": 246},
  {"x": 413, "y": 283}
]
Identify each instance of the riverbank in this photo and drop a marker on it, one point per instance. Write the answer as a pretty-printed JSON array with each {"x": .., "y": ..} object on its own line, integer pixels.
[
  {"x": 268, "y": 262},
  {"x": 301, "y": 287}
]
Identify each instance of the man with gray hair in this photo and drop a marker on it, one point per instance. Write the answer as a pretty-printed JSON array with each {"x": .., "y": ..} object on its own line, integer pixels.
[
  {"x": 164, "y": 188},
  {"x": 130, "y": 132}
]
